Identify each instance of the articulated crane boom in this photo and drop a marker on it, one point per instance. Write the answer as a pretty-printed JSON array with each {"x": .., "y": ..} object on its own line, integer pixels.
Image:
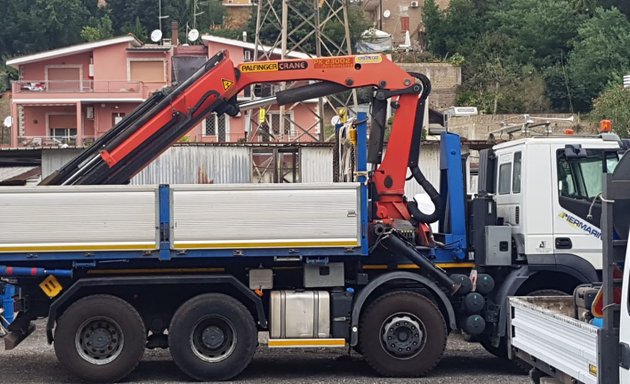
[{"x": 171, "y": 113}]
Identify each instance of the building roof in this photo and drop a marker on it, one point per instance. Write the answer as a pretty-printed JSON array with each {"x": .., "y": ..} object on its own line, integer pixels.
[
  {"x": 72, "y": 50},
  {"x": 244, "y": 44},
  {"x": 18, "y": 175}
]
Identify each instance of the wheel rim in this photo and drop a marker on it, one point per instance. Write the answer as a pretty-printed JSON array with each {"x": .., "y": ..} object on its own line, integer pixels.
[
  {"x": 403, "y": 335},
  {"x": 213, "y": 339},
  {"x": 99, "y": 340}
]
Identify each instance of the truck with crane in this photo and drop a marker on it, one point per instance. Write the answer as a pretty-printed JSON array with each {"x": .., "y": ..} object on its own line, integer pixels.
[{"x": 203, "y": 269}]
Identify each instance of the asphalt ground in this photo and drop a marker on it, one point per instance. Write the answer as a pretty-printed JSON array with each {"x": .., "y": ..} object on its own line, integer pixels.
[{"x": 34, "y": 361}]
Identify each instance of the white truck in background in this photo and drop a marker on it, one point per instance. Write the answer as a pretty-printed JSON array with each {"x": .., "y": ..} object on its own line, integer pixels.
[{"x": 584, "y": 338}]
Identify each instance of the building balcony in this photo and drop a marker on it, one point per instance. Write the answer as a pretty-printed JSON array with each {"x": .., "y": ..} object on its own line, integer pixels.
[
  {"x": 81, "y": 90},
  {"x": 55, "y": 141}
]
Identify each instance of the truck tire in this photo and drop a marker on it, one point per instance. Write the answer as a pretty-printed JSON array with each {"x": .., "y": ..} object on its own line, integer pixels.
[
  {"x": 402, "y": 334},
  {"x": 100, "y": 338},
  {"x": 212, "y": 337}
]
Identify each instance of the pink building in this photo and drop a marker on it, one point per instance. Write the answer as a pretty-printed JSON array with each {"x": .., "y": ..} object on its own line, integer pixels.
[{"x": 75, "y": 94}]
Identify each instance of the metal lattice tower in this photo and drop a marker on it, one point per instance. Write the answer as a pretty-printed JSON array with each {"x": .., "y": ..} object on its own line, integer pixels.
[{"x": 314, "y": 30}]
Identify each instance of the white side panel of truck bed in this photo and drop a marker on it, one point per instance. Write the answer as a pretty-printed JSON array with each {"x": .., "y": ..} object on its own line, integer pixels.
[
  {"x": 98, "y": 218},
  {"x": 266, "y": 215},
  {"x": 567, "y": 344}
]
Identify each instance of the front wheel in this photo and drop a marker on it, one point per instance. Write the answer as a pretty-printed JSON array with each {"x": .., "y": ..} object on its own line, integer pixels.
[
  {"x": 212, "y": 337},
  {"x": 100, "y": 338},
  {"x": 402, "y": 334}
]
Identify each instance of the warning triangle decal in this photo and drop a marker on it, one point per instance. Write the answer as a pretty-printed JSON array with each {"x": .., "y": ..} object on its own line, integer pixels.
[{"x": 226, "y": 84}]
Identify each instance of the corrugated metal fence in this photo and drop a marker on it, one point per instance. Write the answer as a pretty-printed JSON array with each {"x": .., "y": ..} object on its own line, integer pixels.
[
  {"x": 316, "y": 164},
  {"x": 198, "y": 165},
  {"x": 192, "y": 164},
  {"x": 233, "y": 164}
]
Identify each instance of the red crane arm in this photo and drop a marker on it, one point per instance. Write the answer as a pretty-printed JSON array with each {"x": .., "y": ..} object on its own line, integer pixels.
[
  {"x": 169, "y": 114},
  {"x": 355, "y": 72}
]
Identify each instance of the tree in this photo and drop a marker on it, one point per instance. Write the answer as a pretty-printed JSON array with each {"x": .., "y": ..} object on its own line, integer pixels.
[
  {"x": 127, "y": 14},
  {"x": 600, "y": 54},
  {"x": 621, "y": 5},
  {"x": 136, "y": 29},
  {"x": 40, "y": 25},
  {"x": 101, "y": 30},
  {"x": 541, "y": 30},
  {"x": 433, "y": 20},
  {"x": 613, "y": 104},
  {"x": 584, "y": 6}
]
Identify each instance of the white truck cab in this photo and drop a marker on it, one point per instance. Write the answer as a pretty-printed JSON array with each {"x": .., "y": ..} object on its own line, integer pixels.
[{"x": 545, "y": 188}]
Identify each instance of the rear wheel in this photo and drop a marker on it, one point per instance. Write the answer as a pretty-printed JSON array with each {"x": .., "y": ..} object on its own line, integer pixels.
[
  {"x": 212, "y": 337},
  {"x": 402, "y": 334},
  {"x": 100, "y": 338}
]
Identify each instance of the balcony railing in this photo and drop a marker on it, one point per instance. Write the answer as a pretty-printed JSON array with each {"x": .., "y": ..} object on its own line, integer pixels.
[
  {"x": 76, "y": 86},
  {"x": 54, "y": 141}
]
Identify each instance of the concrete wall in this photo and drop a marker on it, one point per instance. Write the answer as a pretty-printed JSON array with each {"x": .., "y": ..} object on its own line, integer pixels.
[{"x": 444, "y": 81}]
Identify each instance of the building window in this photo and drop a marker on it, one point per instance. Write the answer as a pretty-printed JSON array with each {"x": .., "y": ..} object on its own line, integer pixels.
[
  {"x": 62, "y": 127},
  {"x": 148, "y": 71},
  {"x": 64, "y": 135},
  {"x": 64, "y": 78},
  {"x": 404, "y": 23},
  {"x": 218, "y": 126}
]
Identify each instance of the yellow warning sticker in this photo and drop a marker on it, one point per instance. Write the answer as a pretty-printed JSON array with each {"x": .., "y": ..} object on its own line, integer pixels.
[
  {"x": 368, "y": 59},
  {"x": 226, "y": 84},
  {"x": 260, "y": 67}
]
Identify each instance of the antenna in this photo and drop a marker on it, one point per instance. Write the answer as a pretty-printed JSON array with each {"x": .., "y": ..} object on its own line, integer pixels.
[
  {"x": 156, "y": 35},
  {"x": 195, "y": 13},
  {"x": 160, "y": 16},
  {"x": 8, "y": 121},
  {"x": 193, "y": 35}
]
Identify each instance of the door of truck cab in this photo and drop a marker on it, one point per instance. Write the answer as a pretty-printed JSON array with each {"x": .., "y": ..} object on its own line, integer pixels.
[{"x": 577, "y": 209}]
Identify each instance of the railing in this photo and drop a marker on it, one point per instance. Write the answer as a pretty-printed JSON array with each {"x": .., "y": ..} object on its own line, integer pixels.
[
  {"x": 76, "y": 86},
  {"x": 54, "y": 141}
]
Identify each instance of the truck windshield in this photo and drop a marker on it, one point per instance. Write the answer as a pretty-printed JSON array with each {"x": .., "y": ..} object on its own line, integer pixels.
[{"x": 581, "y": 178}]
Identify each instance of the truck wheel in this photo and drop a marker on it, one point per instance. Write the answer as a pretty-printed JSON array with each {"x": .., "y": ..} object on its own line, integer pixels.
[
  {"x": 212, "y": 337},
  {"x": 402, "y": 334},
  {"x": 100, "y": 338}
]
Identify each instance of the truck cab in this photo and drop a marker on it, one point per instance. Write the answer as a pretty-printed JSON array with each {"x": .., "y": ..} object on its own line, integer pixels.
[{"x": 568, "y": 169}]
